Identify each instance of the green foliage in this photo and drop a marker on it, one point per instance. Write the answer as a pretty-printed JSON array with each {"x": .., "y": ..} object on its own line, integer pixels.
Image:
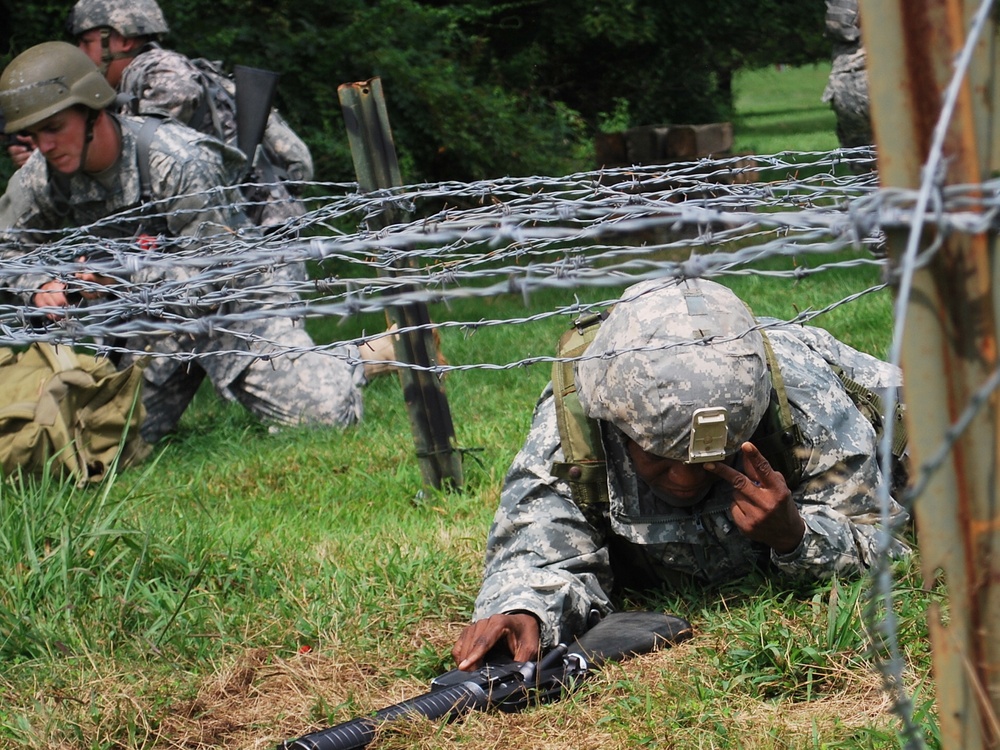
[
  {"x": 789, "y": 655},
  {"x": 480, "y": 89}
]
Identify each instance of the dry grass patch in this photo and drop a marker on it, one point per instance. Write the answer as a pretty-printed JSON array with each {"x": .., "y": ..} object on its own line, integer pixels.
[{"x": 669, "y": 699}]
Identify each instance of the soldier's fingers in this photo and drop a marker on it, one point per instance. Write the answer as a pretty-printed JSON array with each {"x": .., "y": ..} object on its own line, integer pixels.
[
  {"x": 474, "y": 642},
  {"x": 724, "y": 472},
  {"x": 741, "y": 483},
  {"x": 757, "y": 467},
  {"x": 526, "y": 650}
]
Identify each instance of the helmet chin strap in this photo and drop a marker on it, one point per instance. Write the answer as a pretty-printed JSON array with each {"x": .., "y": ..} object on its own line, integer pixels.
[
  {"x": 88, "y": 136},
  {"x": 107, "y": 56}
]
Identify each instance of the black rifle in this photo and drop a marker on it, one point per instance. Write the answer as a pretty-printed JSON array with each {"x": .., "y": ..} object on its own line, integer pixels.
[
  {"x": 255, "y": 90},
  {"x": 510, "y": 685},
  {"x": 5, "y": 139}
]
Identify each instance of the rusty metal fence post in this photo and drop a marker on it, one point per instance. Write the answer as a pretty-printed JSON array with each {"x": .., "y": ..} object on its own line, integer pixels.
[
  {"x": 949, "y": 346},
  {"x": 375, "y": 164}
]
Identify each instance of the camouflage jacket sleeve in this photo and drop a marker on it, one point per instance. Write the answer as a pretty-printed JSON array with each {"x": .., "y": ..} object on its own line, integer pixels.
[
  {"x": 558, "y": 570},
  {"x": 286, "y": 149},
  {"x": 28, "y": 219},
  {"x": 191, "y": 175},
  {"x": 164, "y": 83},
  {"x": 838, "y": 497}
]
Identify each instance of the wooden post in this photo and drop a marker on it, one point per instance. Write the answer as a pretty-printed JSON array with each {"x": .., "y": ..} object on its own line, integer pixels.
[
  {"x": 949, "y": 348},
  {"x": 375, "y": 164}
]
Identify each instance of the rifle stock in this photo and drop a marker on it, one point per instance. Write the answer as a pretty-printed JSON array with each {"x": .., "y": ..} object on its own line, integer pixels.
[
  {"x": 254, "y": 94},
  {"x": 511, "y": 686}
]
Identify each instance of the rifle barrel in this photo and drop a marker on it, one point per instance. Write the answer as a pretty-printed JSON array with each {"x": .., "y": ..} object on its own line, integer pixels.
[{"x": 453, "y": 701}]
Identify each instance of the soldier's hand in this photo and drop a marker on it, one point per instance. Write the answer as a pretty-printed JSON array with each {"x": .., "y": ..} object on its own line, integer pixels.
[
  {"x": 762, "y": 503},
  {"x": 91, "y": 280},
  {"x": 51, "y": 294},
  {"x": 19, "y": 150},
  {"x": 520, "y": 631}
]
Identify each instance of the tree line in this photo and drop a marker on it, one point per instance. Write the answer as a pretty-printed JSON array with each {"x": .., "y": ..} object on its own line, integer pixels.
[{"x": 481, "y": 88}]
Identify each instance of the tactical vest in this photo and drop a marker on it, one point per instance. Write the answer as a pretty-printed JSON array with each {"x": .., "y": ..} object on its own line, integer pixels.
[{"x": 777, "y": 437}]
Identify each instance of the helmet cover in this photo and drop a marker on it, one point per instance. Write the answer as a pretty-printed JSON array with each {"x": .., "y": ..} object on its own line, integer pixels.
[
  {"x": 668, "y": 350},
  {"x": 130, "y": 18}
]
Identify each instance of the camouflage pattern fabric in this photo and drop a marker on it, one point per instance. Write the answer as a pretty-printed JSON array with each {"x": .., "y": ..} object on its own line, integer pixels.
[
  {"x": 544, "y": 557},
  {"x": 129, "y": 18},
  {"x": 166, "y": 83},
  {"x": 717, "y": 360},
  {"x": 847, "y": 87},
  {"x": 186, "y": 172},
  {"x": 843, "y": 21}
]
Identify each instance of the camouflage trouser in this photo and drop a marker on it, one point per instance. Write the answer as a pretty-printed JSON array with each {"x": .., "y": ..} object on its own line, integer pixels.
[{"x": 304, "y": 388}]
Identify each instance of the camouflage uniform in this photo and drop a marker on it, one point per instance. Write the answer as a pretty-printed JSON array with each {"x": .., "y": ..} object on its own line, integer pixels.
[
  {"x": 544, "y": 556},
  {"x": 186, "y": 173},
  {"x": 166, "y": 83},
  {"x": 847, "y": 88}
]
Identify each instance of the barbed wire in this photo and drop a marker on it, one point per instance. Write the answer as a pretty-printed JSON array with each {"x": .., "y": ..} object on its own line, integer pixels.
[
  {"x": 512, "y": 236},
  {"x": 452, "y": 241}
]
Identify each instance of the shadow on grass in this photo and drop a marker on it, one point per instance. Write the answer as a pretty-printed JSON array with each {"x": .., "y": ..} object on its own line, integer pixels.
[
  {"x": 816, "y": 123},
  {"x": 793, "y": 111}
]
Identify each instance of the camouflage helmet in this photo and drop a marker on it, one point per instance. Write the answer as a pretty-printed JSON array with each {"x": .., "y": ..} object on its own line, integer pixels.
[
  {"x": 47, "y": 79},
  {"x": 683, "y": 347},
  {"x": 130, "y": 18}
]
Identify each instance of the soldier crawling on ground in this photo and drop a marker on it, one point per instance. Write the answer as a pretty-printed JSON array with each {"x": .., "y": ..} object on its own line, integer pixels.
[{"x": 700, "y": 448}]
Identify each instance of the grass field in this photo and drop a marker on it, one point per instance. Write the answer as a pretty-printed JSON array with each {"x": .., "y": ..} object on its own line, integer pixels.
[
  {"x": 781, "y": 109},
  {"x": 245, "y": 587}
]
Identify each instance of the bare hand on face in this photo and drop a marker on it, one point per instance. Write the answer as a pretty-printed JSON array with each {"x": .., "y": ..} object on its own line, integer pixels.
[
  {"x": 520, "y": 630},
  {"x": 762, "y": 503}
]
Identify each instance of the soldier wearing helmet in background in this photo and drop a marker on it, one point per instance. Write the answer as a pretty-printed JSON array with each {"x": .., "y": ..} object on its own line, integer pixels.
[
  {"x": 88, "y": 166},
  {"x": 122, "y": 38},
  {"x": 676, "y": 390},
  {"x": 847, "y": 88}
]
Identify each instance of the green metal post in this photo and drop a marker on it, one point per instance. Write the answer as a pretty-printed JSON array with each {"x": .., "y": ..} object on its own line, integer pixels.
[
  {"x": 375, "y": 164},
  {"x": 950, "y": 344}
]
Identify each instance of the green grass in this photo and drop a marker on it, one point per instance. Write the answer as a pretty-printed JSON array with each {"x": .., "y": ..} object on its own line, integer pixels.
[
  {"x": 248, "y": 586},
  {"x": 782, "y": 110}
]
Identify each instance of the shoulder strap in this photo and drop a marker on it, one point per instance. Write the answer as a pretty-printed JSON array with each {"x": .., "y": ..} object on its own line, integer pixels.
[
  {"x": 144, "y": 138},
  {"x": 211, "y": 75},
  {"x": 153, "y": 223},
  {"x": 58, "y": 358},
  {"x": 585, "y": 466},
  {"x": 778, "y": 437}
]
